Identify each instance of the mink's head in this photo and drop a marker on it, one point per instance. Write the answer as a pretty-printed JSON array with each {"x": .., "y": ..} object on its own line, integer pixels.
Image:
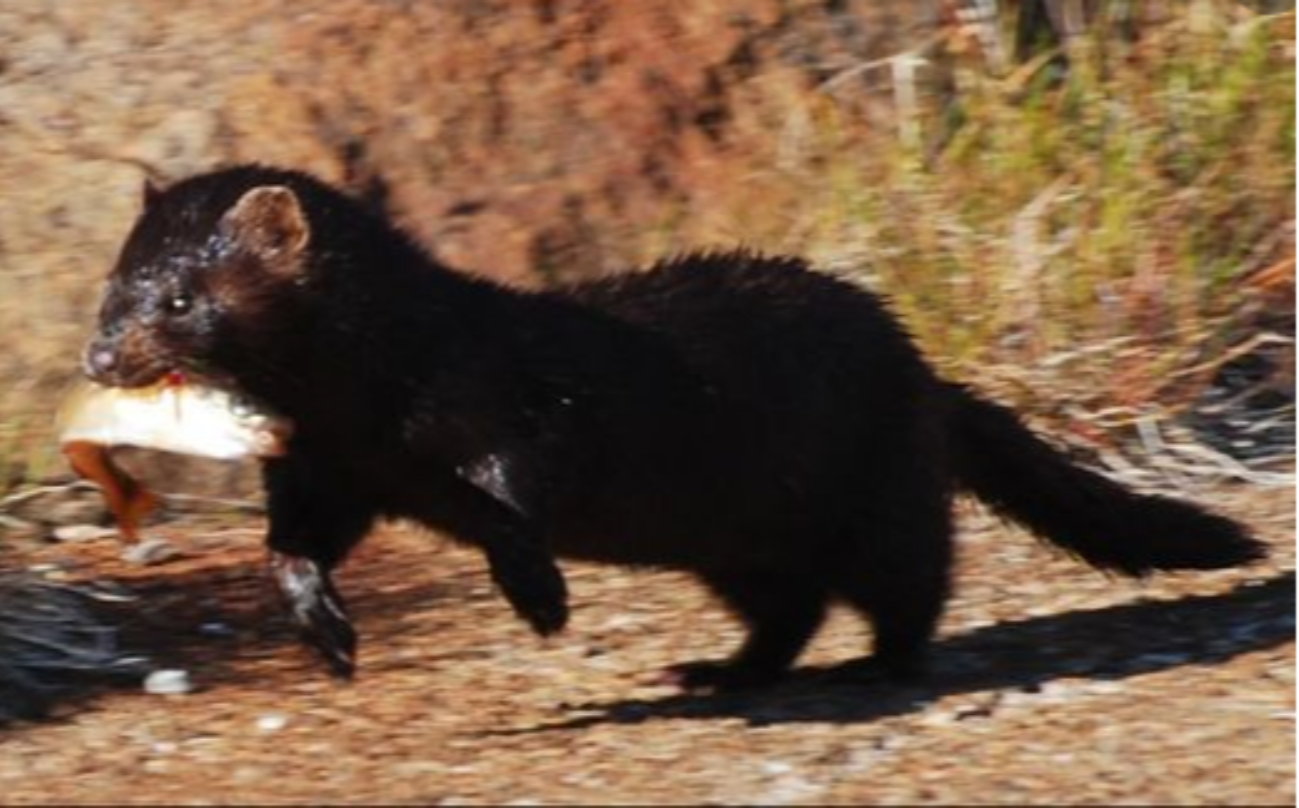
[{"x": 212, "y": 263}]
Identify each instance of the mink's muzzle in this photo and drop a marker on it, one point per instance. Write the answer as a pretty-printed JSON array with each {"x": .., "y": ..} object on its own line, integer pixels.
[
  {"x": 98, "y": 359},
  {"x": 123, "y": 361}
]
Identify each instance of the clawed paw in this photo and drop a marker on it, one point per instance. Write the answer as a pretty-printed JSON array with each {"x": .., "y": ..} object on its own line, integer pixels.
[
  {"x": 538, "y": 594},
  {"x": 318, "y": 610}
]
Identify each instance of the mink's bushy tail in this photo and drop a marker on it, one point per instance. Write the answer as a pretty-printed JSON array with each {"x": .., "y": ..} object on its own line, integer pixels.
[{"x": 1000, "y": 461}]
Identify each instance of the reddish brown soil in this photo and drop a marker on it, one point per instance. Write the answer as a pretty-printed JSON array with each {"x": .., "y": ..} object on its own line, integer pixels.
[{"x": 1052, "y": 684}]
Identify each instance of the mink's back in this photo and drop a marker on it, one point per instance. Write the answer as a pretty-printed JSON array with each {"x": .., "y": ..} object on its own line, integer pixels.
[
  {"x": 811, "y": 391},
  {"x": 795, "y": 346}
]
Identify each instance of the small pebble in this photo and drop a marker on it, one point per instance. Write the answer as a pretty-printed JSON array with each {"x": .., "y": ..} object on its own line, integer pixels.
[
  {"x": 81, "y": 533},
  {"x": 150, "y": 552},
  {"x": 168, "y": 682},
  {"x": 272, "y": 722}
]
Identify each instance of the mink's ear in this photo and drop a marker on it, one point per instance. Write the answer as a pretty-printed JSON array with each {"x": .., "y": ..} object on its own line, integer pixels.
[
  {"x": 150, "y": 193},
  {"x": 269, "y": 222}
]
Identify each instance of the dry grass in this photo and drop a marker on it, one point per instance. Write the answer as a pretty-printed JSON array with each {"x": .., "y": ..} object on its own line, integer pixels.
[{"x": 1110, "y": 234}]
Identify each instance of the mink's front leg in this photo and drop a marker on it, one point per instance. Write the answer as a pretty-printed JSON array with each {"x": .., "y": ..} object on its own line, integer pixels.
[
  {"x": 315, "y": 520},
  {"x": 318, "y": 610},
  {"x": 491, "y": 512}
]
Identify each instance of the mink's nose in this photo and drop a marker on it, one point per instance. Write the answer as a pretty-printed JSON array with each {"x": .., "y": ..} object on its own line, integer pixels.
[{"x": 99, "y": 359}]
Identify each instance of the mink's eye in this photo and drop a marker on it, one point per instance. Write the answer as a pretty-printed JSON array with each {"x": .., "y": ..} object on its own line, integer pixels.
[{"x": 179, "y": 304}]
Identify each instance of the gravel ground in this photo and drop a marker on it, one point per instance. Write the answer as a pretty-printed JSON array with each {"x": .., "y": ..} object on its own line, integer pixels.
[{"x": 1052, "y": 683}]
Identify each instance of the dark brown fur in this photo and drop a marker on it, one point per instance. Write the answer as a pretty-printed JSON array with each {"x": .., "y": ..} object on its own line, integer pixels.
[{"x": 764, "y": 426}]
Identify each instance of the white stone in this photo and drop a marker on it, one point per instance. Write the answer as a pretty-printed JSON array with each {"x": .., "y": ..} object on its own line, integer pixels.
[
  {"x": 272, "y": 722},
  {"x": 168, "y": 682}
]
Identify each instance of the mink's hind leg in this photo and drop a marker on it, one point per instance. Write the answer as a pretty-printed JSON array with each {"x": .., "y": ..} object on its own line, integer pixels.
[
  {"x": 314, "y": 522},
  {"x": 782, "y": 612},
  {"x": 900, "y": 581}
]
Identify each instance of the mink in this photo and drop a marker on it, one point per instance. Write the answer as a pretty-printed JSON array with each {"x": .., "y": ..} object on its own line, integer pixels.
[{"x": 767, "y": 427}]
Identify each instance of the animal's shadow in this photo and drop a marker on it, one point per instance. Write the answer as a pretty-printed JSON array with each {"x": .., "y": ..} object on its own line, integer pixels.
[{"x": 1111, "y": 643}]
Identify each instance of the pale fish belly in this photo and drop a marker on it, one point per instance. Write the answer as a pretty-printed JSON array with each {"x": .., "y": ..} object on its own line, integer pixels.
[{"x": 171, "y": 416}]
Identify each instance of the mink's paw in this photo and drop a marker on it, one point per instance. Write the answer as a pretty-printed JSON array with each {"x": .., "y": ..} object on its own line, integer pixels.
[
  {"x": 542, "y": 601},
  {"x": 318, "y": 610},
  {"x": 536, "y": 589}
]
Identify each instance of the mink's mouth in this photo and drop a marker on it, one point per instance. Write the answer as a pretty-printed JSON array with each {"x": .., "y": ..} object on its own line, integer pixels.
[
  {"x": 106, "y": 367},
  {"x": 143, "y": 377}
]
